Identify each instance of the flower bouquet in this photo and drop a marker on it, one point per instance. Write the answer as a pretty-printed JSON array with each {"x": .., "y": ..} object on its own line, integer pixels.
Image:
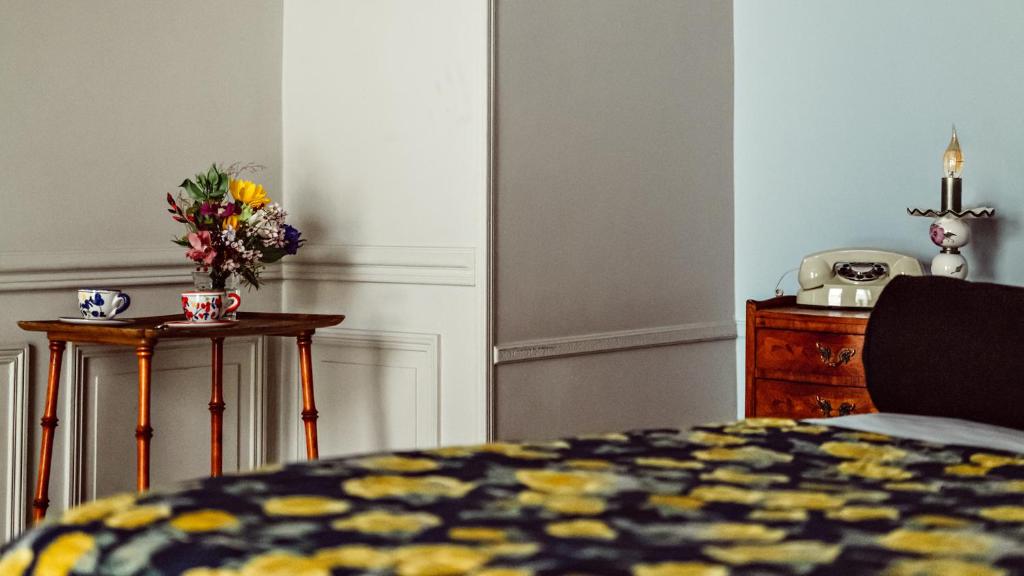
[{"x": 232, "y": 227}]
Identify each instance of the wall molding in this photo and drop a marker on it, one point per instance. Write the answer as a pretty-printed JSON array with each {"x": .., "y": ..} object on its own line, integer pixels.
[
  {"x": 603, "y": 342},
  {"x": 53, "y": 270},
  {"x": 75, "y": 387},
  {"x": 428, "y": 365},
  {"x": 450, "y": 266},
  {"x": 14, "y": 361}
]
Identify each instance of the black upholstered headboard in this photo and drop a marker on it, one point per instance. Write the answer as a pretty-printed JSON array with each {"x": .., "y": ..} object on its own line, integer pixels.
[{"x": 943, "y": 347}]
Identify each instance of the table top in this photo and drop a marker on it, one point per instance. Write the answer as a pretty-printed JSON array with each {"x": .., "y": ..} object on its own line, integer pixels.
[{"x": 150, "y": 329}]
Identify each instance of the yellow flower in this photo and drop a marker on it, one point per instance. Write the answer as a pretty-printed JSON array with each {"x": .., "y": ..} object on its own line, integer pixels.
[
  {"x": 727, "y": 494},
  {"x": 872, "y": 470},
  {"x": 248, "y": 192},
  {"x": 63, "y": 553},
  {"x": 230, "y": 222},
  {"x": 869, "y": 436},
  {"x": 809, "y": 429},
  {"x": 738, "y": 476},
  {"x": 941, "y": 543},
  {"x": 680, "y": 569},
  {"x": 398, "y": 464},
  {"x": 674, "y": 501},
  {"x": 863, "y": 451},
  {"x": 283, "y": 564},
  {"x": 995, "y": 460},
  {"x": 795, "y": 552},
  {"x": 554, "y": 482},
  {"x": 796, "y": 515},
  {"x": 787, "y": 499},
  {"x": 740, "y": 531},
  {"x": 373, "y": 487},
  {"x": 477, "y": 534},
  {"x": 438, "y": 560},
  {"x": 204, "y": 521},
  {"x": 15, "y": 562},
  {"x": 563, "y": 503},
  {"x": 305, "y": 506},
  {"x": 967, "y": 470},
  {"x": 382, "y": 522},
  {"x": 1011, "y": 486},
  {"x": 1003, "y": 513},
  {"x": 518, "y": 549},
  {"x": 767, "y": 423},
  {"x": 614, "y": 437},
  {"x": 862, "y": 513},
  {"x": 581, "y": 529},
  {"x": 669, "y": 463},
  {"x": 941, "y": 567},
  {"x": 353, "y": 556},
  {"x": 752, "y": 454},
  {"x": 911, "y": 487},
  {"x": 712, "y": 439},
  {"x": 138, "y": 516},
  {"x": 589, "y": 464},
  {"x": 939, "y": 521},
  {"x": 97, "y": 509},
  {"x": 503, "y": 448}
]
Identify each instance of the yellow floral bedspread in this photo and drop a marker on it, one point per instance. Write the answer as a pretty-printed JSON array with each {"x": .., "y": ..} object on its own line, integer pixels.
[{"x": 761, "y": 496}]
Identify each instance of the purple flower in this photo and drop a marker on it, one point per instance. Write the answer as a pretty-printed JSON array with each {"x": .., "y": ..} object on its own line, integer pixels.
[
  {"x": 291, "y": 239},
  {"x": 207, "y": 209},
  {"x": 938, "y": 234}
]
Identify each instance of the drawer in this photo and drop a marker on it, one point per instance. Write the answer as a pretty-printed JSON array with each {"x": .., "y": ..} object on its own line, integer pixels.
[
  {"x": 776, "y": 398},
  {"x": 819, "y": 357}
]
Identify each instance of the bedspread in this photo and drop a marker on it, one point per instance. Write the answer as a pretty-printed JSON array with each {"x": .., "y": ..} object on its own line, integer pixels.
[{"x": 763, "y": 496}]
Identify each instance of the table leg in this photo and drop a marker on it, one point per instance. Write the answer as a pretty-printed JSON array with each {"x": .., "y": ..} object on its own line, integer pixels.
[
  {"x": 309, "y": 412},
  {"x": 217, "y": 409},
  {"x": 143, "y": 432},
  {"x": 49, "y": 424}
]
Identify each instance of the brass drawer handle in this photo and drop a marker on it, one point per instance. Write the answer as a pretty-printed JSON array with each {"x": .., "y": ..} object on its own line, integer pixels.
[
  {"x": 843, "y": 357},
  {"x": 845, "y": 409}
]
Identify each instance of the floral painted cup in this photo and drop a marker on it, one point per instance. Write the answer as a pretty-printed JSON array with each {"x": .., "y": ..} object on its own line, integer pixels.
[
  {"x": 102, "y": 304},
  {"x": 208, "y": 306}
]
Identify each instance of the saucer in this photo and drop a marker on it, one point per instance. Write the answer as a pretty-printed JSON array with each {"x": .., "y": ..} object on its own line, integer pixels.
[
  {"x": 188, "y": 324},
  {"x": 94, "y": 321}
]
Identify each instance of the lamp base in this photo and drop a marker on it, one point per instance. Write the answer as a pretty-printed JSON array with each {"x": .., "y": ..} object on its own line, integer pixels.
[{"x": 953, "y": 265}]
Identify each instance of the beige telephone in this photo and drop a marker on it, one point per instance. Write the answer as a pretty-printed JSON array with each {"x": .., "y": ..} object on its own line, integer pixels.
[{"x": 850, "y": 277}]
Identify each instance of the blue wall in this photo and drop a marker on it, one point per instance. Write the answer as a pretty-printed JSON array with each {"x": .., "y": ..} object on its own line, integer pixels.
[{"x": 843, "y": 110}]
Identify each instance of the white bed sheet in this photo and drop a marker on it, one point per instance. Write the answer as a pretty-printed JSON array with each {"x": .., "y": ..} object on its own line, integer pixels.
[{"x": 932, "y": 429}]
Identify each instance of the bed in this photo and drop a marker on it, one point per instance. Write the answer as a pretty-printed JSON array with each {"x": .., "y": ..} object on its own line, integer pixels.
[{"x": 888, "y": 493}]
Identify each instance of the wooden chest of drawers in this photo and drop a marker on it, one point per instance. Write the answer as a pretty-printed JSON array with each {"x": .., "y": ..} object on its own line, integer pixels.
[{"x": 804, "y": 362}]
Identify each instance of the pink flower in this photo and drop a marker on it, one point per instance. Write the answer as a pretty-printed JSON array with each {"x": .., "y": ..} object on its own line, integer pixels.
[{"x": 202, "y": 249}]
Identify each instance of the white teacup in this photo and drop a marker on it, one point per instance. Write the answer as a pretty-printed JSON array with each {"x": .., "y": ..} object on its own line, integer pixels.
[
  {"x": 208, "y": 306},
  {"x": 102, "y": 304}
]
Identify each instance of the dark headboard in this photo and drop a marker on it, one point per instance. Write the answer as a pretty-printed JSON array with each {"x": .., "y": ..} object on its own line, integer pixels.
[{"x": 943, "y": 347}]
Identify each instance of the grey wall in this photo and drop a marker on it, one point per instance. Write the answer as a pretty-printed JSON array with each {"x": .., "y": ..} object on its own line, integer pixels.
[
  {"x": 613, "y": 196},
  {"x": 843, "y": 111},
  {"x": 105, "y": 107}
]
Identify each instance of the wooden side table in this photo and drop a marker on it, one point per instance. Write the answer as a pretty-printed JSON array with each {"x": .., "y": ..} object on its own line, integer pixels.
[
  {"x": 805, "y": 362},
  {"x": 144, "y": 334}
]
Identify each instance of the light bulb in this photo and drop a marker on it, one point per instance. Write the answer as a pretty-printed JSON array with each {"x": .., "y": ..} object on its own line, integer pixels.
[{"x": 953, "y": 159}]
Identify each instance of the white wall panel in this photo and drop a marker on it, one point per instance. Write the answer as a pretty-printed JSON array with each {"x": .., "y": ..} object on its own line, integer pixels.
[
  {"x": 100, "y": 410},
  {"x": 375, "y": 390},
  {"x": 13, "y": 447}
]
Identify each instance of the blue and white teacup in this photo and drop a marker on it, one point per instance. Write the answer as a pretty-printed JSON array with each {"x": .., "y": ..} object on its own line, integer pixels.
[{"x": 102, "y": 304}]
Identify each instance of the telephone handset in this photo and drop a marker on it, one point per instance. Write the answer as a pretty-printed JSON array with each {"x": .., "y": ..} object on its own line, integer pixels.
[{"x": 850, "y": 277}]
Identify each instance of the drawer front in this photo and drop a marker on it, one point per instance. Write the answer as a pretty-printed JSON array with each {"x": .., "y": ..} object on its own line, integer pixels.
[
  {"x": 819, "y": 357},
  {"x": 780, "y": 399}
]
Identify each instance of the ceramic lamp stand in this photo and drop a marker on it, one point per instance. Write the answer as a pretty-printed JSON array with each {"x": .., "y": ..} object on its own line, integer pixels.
[{"x": 949, "y": 229}]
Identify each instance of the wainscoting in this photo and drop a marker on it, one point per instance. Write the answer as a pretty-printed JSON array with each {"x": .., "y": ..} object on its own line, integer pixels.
[
  {"x": 99, "y": 409},
  {"x": 13, "y": 447},
  {"x": 376, "y": 390}
]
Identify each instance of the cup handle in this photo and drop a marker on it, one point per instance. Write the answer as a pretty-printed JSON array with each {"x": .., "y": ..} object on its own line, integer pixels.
[
  {"x": 236, "y": 301},
  {"x": 125, "y": 302}
]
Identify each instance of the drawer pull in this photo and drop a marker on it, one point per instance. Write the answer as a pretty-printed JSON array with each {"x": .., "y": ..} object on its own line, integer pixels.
[
  {"x": 843, "y": 357},
  {"x": 845, "y": 409}
]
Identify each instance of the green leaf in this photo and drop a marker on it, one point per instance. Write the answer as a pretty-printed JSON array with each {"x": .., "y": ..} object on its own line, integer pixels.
[
  {"x": 195, "y": 191},
  {"x": 213, "y": 175},
  {"x": 272, "y": 254},
  {"x": 181, "y": 242}
]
